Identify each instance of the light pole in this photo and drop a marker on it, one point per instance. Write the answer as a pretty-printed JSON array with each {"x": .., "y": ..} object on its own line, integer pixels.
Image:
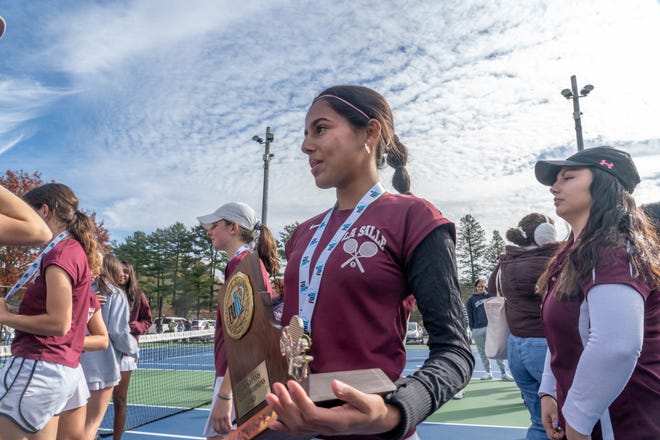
[
  {"x": 267, "y": 157},
  {"x": 573, "y": 94}
]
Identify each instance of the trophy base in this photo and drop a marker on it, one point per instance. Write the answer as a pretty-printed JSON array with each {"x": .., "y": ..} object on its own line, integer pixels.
[
  {"x": 256, "y": 427},
  {"x": 319, "y": 388},
  {"x": 369, "y": 381}
]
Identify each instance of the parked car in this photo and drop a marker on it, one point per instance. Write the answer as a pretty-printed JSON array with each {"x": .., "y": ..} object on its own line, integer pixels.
[
  {"x": 415, "y": 335},
  {"x": 165, "y": 324},
  {"x": 202, "y": 324}
]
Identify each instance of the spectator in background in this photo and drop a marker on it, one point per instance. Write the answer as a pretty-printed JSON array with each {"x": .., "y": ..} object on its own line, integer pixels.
[
  {"x": 601, "y": 303},
  {"x": 278, "y": 297},
  {"x": 515, "y": 277},
  {"x": 102, "y": 368},
  {"x": 478, "y": 321},
  {"x": 139, "y": 321}
]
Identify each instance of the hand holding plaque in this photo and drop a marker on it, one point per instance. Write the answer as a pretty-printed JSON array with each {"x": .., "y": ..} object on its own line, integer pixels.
[{"x": 261, "y": 353}]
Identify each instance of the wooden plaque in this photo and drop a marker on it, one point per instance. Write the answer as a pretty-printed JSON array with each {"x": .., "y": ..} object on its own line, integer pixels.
[{"x": 252, "y": 341}]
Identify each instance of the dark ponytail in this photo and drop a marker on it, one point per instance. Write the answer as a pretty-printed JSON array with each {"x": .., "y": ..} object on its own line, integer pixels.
[
  {"x": 265, "y": 245},
  {"x": 397, "y": 157}
]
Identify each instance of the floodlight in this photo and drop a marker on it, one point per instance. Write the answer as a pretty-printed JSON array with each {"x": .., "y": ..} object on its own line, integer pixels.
[
  {"x": 566, "y": 93},
  {"x": 586, "y": 89},
  {"x": 257, "y": 139}
]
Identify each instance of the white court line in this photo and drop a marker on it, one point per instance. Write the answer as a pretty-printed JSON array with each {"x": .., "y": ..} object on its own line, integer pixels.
[
  {"x": 159, "y": 434},
  {"x": 475, "y": 425},
  {"x": 189, "y": 437}
]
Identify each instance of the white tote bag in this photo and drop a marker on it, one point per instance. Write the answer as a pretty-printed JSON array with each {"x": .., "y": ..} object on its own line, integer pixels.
[{"x": 497, "y": 331}]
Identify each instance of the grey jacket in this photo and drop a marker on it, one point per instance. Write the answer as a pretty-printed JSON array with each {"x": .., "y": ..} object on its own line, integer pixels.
[{"x": 103, "y": 366}]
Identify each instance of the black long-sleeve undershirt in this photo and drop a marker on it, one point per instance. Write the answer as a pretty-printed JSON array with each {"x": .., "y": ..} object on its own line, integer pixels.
[{"x": 432, "y": 277}]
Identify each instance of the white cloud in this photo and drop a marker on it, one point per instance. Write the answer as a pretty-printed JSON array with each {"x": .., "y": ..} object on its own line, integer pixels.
[
  {"x": 169, "y": 94},
  {"x": 21, "y": 101}
]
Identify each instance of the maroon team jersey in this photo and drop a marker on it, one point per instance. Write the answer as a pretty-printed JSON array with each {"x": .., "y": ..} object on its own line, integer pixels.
[
  {"x": 65, "y": 350},
  {"x": 219, "y": 350},
  {"x": 634, "y": 413},
  {"x": 140, "y": 318},
  {"x": 359, "y": 318}
]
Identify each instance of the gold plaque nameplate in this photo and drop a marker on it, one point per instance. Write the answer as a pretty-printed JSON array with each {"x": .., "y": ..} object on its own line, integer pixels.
[{"x": 251, "y": 390}]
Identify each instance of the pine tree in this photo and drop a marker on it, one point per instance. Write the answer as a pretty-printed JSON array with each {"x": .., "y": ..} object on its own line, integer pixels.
[
  {"x": 284, "y": 237},
  {"x": 495, "y": 249},
  {"x": 471, "y": 250}
]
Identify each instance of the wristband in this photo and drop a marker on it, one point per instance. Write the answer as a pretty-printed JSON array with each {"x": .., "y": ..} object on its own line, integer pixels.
[
  {"x": 223, "y": 397},
  {"x": 546, "y": 395}
]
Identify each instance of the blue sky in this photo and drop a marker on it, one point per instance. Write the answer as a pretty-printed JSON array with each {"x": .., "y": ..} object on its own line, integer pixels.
[{"x": 147, "y": 108}]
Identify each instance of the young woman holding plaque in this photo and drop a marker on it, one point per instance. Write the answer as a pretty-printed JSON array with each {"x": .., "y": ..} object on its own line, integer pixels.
[
  {"x": 369, "y": 253},
  {"x": 601, "y": 304},
  {"x": 232, "y": 228},
  {"x": 44, "y": 369}
]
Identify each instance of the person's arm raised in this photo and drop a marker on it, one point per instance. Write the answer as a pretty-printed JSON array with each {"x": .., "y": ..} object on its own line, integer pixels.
[{"x": 19, "y": 223}]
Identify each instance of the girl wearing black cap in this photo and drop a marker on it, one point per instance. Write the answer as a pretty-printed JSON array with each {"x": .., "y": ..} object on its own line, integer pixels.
[{"x": 601, "y": 305}]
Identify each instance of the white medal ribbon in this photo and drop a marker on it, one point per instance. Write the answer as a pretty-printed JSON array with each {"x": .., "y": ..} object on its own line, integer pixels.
[
  {"x": 240, "y": 250},
  {"x": 308, "y": 288},
  {"x": 34, "y": 267}
]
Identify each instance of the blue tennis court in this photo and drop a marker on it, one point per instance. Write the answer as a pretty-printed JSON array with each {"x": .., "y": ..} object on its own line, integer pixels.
[{"x": 491, "y": 410}]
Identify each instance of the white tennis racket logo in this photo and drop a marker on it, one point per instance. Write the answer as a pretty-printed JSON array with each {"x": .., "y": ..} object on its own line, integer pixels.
[{"x": 367, "y": 249}]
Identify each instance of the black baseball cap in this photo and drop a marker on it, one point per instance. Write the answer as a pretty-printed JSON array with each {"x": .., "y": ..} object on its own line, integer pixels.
[{"x": 616, "y": 162}]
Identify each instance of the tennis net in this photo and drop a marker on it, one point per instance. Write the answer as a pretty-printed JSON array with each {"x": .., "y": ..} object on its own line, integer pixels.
[{"x": 175, "y": 373}]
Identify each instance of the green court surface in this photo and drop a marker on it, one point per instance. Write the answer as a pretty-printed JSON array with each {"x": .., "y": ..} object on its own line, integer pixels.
[
  {"x": 486, "y": 402},
  {"x": 170, "y": 387}
]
